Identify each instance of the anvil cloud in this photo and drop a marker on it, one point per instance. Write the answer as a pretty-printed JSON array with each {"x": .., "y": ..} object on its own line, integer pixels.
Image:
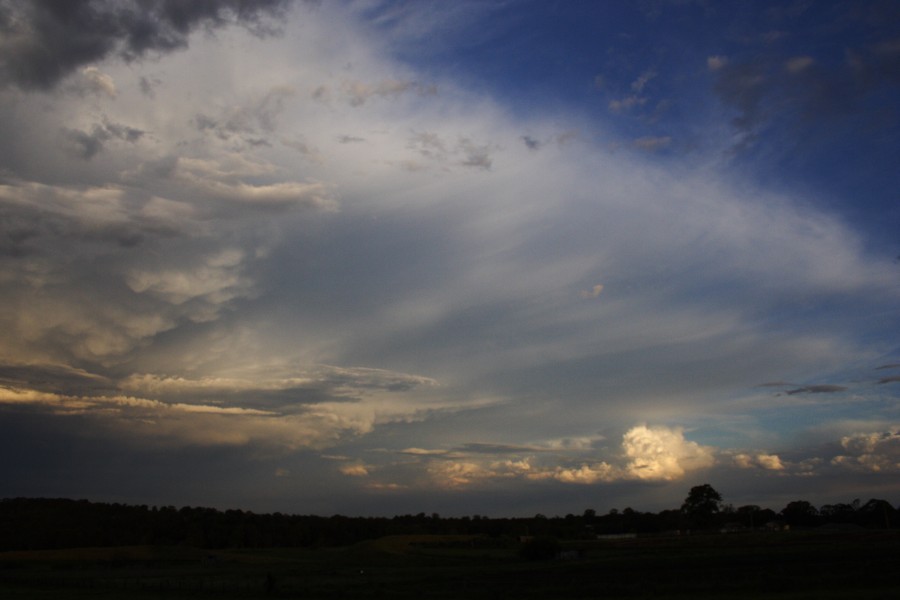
[{"x": 351, "y": 257}]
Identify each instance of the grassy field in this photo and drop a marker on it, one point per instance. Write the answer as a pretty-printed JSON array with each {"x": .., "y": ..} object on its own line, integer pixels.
[{"x": 789, "y": 565}]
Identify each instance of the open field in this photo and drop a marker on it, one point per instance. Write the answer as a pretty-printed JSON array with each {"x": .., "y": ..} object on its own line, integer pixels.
[{"x": 789, "y": 565}]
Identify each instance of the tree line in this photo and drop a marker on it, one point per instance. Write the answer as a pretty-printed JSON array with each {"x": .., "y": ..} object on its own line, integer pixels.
[{"x": 50, "y": 523}]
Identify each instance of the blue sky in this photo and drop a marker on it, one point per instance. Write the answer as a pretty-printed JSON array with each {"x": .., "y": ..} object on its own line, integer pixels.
[{"x": 471, "y": 258}]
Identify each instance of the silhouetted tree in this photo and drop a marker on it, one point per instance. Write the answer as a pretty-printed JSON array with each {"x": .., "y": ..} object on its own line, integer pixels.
[
  {"x": 877, "y": 514},
  {"x": 800, "y": 513},
  {"x": 702, "y": 505}
]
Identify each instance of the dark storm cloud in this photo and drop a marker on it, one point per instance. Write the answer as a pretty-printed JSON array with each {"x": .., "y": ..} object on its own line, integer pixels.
[
  {"x": 45, "y": 40},
  {"x": 891, "y": 379}
]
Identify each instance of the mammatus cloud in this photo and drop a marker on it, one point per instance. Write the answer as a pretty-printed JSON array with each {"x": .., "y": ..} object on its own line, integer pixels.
[{"x": 44, "y": 41}]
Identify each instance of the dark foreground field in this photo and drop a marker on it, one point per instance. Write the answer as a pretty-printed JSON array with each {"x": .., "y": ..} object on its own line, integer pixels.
[{"x": 787, "y": 565}]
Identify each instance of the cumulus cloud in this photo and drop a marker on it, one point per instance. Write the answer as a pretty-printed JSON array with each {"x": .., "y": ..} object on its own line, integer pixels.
[
  {"x": 771, "y": 462},
  {"x": 645, "y": 454},
  {"x": 586, "y": 474},
  {"x": 663, "y": 453},
  {"x": 873, "y": 452},
  {"x": 354, "y": 470}
]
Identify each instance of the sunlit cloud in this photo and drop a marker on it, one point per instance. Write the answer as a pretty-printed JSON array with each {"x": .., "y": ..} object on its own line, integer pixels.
[
  {"x": 662, "y": 453},
  {"x": 874, "y": 452},
  {"x": 770, "y": 462}
]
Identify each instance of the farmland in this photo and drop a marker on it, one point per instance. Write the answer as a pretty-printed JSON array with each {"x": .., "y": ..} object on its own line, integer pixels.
[{"x": 808, "y": 564}]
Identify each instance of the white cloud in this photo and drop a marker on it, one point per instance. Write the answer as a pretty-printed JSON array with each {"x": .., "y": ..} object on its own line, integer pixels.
[{"x": 663, "y": 453}]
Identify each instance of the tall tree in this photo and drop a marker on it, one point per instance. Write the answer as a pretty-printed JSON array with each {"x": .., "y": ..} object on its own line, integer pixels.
[{"x": 702, "y": 505}]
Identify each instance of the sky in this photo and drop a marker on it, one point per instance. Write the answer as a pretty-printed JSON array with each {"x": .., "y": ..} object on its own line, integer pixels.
[{"x": 483, "y": 257}]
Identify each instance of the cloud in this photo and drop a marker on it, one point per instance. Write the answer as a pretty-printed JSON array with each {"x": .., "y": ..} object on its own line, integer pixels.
[
  {"x": 714, "y": 63},
  {"x": 661, "y": 453},
  {"x": 587, "y": 474},
  {"x": 771, "y": 462},
  {"x": 594, "y": 292},
  {"x": 768, "y": 89},
  {"x": 641, "y": 82},
  {"x": 818, "y": 389},
  {"x": 797, "y": 64},
  {"x": 652, "y": 144},
  {"x": 299, "y": 246},
  {"x": 87, "y": 145},
  {"x": 531, "y": 143},
  {"x": 645, "y": 454},
  {"x": 358, "y": 92},
  {"x": 626, "y": 103},
  {"x": 222, "y": 179},
  {"x": 873, "y": 452},
  {"x": 249, "y": 121},
  {"x": 95, "y": 81},
  {"x": 316, "y": 409},
  {"x": 354, "y": 470},
  {"x": 45, "y": 41}
]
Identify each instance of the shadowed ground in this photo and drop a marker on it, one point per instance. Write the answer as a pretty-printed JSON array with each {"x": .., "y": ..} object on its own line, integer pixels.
[{"x": 746, "y": 565}]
